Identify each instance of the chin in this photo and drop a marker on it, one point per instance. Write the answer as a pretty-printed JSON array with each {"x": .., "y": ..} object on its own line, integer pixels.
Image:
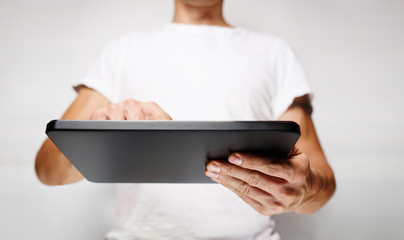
[{"x": 202, "y": 3}]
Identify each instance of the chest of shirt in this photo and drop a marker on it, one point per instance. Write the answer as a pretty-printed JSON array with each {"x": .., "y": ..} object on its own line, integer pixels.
[{"x": 199, "y": 81}]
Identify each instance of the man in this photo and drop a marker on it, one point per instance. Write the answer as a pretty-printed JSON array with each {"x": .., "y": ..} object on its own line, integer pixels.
[{"x": 201, "y": 68}]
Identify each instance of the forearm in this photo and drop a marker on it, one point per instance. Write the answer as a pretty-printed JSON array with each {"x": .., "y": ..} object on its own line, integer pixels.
[
  {"x": 321, "y": 182},
  {"x": 53, "y": 168}
]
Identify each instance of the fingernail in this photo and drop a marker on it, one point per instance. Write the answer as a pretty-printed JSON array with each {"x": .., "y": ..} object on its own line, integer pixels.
[
  {"x": 212, "y": 175},
  {"x": 235, "y": 159},
  {"x": 213, "y": 167}
]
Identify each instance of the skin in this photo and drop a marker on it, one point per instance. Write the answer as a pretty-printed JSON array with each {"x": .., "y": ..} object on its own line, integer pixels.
[
  {"x": 202, "y": 12},
  {"x": 302, "y": 183},
  {"x": 52, "y": 167}
]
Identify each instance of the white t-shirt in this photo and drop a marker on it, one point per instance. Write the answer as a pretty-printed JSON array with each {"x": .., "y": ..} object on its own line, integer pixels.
[{"x": 196, "y": 72}]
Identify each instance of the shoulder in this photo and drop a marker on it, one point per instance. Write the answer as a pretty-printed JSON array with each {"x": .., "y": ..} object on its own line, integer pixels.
[
  {"x": 261, "y": 37},
  {"x": 132, "y": 39},
  {"x": 271, "y": 44},
  {"x": 125, "y": 43}
]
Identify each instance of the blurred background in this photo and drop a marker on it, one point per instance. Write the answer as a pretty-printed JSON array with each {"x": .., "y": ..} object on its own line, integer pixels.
[{"x": 353, "y": 54}]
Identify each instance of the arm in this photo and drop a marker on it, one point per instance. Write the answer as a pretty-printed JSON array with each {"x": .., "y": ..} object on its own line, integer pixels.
[
  {"x": 302, "y": 183},
  {"x": 51, "y": 166},
  {"x": 322, "y": 176}
]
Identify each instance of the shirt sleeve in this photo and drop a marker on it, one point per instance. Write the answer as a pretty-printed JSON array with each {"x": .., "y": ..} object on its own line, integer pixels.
[
  {"x": 102, "y": 75},
  {"x": 289, "y": 80}
]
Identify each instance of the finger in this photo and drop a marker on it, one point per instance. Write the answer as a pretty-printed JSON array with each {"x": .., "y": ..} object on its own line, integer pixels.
[
  {"x": 136, "y": 114},
  {"x": 244, "y": 188},
  {"x": 132, "y": 110},
  {"x": 100, "y": 114},
  {"x": 264, "y": 164},
  {"x": 226, "y": 172},
  {"x": 152, "y": 111},
  {"x": 266, "y": 206},
  {"x": 274, "y": 202},
  {"x": 250, "y": 195},
  {"x": 114, "y": 112}
]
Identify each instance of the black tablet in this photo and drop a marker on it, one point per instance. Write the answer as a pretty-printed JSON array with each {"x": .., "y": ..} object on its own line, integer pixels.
[{"x": 163, "y": 151}]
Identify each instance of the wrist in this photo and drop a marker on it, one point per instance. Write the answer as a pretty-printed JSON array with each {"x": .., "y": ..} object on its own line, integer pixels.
[{"x": 314, "y": 186}]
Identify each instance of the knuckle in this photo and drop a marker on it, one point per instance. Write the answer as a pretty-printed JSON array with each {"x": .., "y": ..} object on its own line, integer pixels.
[
  {"x": 253, "y": 179},
  {"x": 113, "y": 108},
  {"x": 288, "y": 197},
  {"x": 131, "y": 102},
  {"x": 152, "y": 104},
  {"x": 245, "y": 190},
  {"x": 98, "y": 114},
  {"x": 242, "y": 192},
  {"x": 272, "y": 169}
]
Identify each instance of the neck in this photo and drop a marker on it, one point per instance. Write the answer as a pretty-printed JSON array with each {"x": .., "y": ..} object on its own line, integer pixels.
[{"x": 207, "y": 15}]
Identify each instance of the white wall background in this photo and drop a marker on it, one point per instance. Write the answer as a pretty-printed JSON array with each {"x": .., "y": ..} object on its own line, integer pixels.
[{"x": 353, "y": 53}]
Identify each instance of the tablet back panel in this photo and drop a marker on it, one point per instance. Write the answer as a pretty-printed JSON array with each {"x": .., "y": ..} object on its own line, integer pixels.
[{"x": 163, "y": 151}]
